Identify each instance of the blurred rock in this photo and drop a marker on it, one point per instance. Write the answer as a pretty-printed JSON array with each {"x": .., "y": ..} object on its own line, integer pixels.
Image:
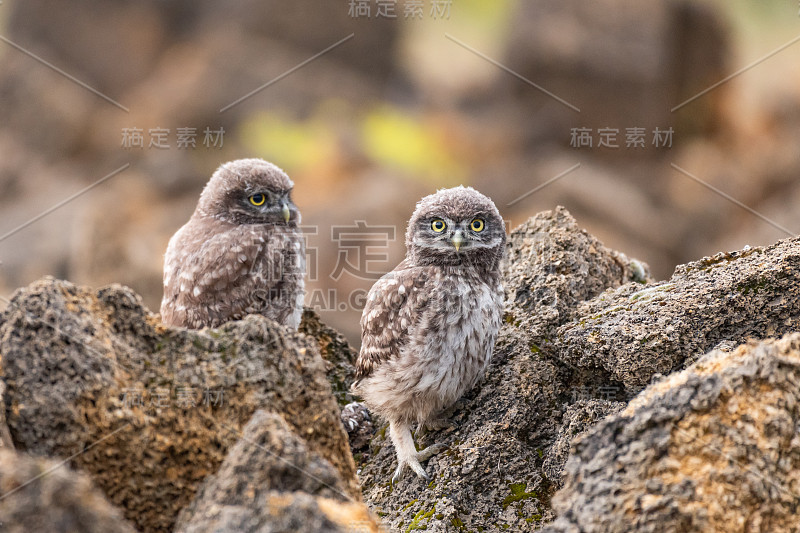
[
  {"x": 312, "y": 27},
  {"x": 712, "y": 448},
  {"x": 624, "y": 64},
  {"x": 107, "y": 245},
  {"x": 271, "y": 481},
  {"x": 40, "y": 494},
  {"x": 93, "y": 376}
]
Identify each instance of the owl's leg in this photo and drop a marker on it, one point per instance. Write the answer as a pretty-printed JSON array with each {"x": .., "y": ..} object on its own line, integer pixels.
[{"x": 407, "y": 454}]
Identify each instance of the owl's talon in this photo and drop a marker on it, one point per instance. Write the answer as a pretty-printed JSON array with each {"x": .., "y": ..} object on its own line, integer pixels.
[
  {"x": 398, "y": 473},
  {"x": 414, "y": 462},
  {"x": 415, "y": 466},
  {"x": 430, "y": 451}
]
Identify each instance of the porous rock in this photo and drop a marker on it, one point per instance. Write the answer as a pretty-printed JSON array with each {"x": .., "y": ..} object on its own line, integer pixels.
[
  {"x": 149, "y": 412},
  {"x": 635, "y": 332},
  {"x": 38, "y": 494},
  {"x": 271, "y": 481},
  {"x": 577, "y": 418},
  {"x": 570, "y": 354},
  {"x": 715, "y": 447},
  {"x": 551, "y": 265}
]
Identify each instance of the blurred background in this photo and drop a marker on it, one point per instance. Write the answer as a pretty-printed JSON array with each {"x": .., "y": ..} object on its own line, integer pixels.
[{"x": 408, "y": 96}]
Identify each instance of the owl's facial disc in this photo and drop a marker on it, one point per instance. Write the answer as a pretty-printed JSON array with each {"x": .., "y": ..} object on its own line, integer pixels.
[{"x": 444, "y": 234}]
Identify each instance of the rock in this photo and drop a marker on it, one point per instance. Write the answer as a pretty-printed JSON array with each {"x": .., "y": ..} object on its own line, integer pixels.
[
  {"x": 339, "y": 357},
  {"x": 149, "y": 412},
  {"x": 38, "y": 494},
  {"x": 94, "y": 376},
  {"x": 271, "y": 481},
  {"x": 635, "y": 332},
  {"x": 712, "y": 448},
  {"x": 492, "y": 475},
  {"x": 551, "y": 265},
  {"x": 312, "y": 27},
  {"x": 577, "y": 418}
]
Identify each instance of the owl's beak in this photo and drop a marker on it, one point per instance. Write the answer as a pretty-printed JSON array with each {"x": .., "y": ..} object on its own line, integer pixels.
[
  {"x": 457, "y": 239},
  {"x": 286, "y": 213}
]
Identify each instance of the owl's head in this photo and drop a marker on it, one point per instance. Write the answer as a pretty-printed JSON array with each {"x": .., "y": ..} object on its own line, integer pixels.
[
  {"x": 456, "y": 226},
  {"x": 249, "y": 191}
]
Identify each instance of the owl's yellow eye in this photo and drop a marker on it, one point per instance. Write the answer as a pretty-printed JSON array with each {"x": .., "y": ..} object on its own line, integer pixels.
[
  {"x": 258, "y": 199},
  {"x": 438, "y": 225},
  {"x": 477, "y": 225}
]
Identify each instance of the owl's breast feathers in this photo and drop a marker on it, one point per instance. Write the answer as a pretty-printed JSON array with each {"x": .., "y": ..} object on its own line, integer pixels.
[
  {"x": 213, "y": 275},
  {"x": 437, "y": 326}
]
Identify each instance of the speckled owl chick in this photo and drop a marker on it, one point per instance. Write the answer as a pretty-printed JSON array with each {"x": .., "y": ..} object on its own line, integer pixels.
[
  {"x": 429, "y": 326},
  {"x": 240, "y": 253}
]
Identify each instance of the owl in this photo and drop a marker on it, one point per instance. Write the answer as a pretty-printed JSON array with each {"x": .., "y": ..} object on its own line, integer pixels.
[
  {"x": 429, "y": 326},
  {"x": 240, "y": 253}
]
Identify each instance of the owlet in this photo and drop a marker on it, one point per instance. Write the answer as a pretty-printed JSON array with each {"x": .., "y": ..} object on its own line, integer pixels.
[
  {"x": 240, "y": 253},
  {"x": 429, "y": 326}
]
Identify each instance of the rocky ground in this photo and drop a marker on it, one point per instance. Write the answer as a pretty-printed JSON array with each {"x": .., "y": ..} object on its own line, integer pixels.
[{"x": 613, "y": 403}]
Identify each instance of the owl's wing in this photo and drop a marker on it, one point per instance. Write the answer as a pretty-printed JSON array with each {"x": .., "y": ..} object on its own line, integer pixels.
[
  {"x": 227, "y": 275},
  {"x": 394, "y": 306}
]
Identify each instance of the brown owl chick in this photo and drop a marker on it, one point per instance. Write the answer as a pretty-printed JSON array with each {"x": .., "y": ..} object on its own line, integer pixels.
[
  {"x": 429, "y": 326},
  {"x": 240, "y": 253}
]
